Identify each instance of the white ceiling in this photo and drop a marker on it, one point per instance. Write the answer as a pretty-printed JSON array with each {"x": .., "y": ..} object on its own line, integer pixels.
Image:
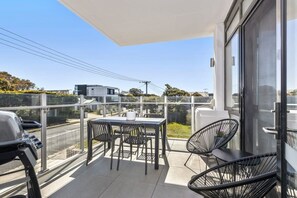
[{"x": 131, "y": 22}]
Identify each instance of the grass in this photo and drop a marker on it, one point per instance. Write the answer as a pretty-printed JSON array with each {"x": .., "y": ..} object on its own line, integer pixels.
[{"x": 177, "y": 130}]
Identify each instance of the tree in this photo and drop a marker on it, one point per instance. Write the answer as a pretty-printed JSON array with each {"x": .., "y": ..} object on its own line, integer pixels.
[
  {"x": 173, "y": 91},
  {"x": 5, "y": 85},
  {"x": 293, "y": 93},
  {"x": 14, "y": 83},
  {"x": 177, "y": 113},
  {"x": 24, "y": 85},
  {"x": 135, "y": 92},
  {"x": 196, "y": 94}
]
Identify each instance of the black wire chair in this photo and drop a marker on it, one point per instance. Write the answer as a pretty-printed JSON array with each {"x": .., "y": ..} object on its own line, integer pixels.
[
  {"x": 125, "y": 114},
  {"x": 102, "y": 131},
  {"x": 153, "y": 115},
  {"x": 151, "y": 131},
  {"x": 210, "y": 137},
  {"x": 291, "y": 188},
  {"x": 247, "y": 177},
  {"x": 134, "y": 134}
]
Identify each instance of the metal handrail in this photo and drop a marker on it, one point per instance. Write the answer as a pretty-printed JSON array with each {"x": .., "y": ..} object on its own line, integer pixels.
[
  {"x": 44, "y": 107},
  {"x": 98, "y": 103}
]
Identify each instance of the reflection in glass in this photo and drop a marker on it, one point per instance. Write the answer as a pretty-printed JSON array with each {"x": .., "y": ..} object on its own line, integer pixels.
[
  {"x": 291, "y": 96},
  {"x": 232, "y": 73},
  {"x": 233, "y": 25},
  {"x": 260, "y": 78},
  {"x": 245, "y": 5}
]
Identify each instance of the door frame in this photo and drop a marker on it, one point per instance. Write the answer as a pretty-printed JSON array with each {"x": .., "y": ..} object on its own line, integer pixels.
[
  {"x": 283, "y": 112},
  {"x": 281, "y": 9}
]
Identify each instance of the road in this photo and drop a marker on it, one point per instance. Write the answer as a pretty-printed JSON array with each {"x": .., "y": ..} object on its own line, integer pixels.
[
  {"x": 59, "y": 138},
  {"x": 62, "y": 137}
]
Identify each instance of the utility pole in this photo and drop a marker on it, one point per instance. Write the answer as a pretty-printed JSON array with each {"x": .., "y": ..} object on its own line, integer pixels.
[{"x": 146, "y": 84}]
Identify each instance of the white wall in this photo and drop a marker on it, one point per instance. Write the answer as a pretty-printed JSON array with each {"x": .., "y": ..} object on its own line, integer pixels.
[
  {"x": 96, "y": 91},
  {"x": 219, "y": 67}
]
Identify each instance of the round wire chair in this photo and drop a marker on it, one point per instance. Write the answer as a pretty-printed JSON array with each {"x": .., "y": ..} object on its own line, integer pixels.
[
  {"x": 247, "y": 177},
  {"x": 212, "y": 136}
]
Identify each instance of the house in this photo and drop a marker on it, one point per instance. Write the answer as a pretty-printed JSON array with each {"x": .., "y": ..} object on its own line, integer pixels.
[
  {"x": 110, "y": 94},
  {"x": 91, "y": 103}
]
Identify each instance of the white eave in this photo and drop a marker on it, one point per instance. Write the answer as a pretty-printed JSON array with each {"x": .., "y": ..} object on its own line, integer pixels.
[{"x": 131, "y": 22}]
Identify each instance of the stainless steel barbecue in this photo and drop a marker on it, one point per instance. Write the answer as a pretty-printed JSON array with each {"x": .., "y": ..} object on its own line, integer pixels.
[{"x": 17, "y": 144}]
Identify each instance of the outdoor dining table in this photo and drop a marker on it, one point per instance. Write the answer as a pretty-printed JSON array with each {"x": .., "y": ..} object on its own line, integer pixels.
[{"x": 156, "y": 123}]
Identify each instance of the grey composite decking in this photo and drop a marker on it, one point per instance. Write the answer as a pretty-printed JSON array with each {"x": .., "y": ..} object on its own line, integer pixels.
[{"x": 98, "y": 181}]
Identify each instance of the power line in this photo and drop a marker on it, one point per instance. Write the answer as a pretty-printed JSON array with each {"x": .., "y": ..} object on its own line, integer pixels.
[
  {"x": 50, "y": 54},
  {"x": 62, "y": 58},
  {"x": 58, "y": 52},
  {"x": 57, "y": 61},
  {"x": 72, "y": 62},
  {"x": 140, "y": 86},
  {"x": 156, "y": 90},
  {"x": 46, "y": 58},
  {"x": 158, "y": 86}
]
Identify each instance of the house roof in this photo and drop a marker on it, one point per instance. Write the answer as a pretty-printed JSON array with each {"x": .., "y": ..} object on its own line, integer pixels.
[{"x": 131, "y": 22}]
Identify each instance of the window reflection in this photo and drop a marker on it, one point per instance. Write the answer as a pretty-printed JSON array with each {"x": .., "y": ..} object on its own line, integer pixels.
[
  {"x": 291, "y": 96},
  {"x": 232, "y": 73}
]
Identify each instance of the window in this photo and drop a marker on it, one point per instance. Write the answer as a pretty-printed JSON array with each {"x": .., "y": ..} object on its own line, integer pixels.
[
  {"x": 233, "y": 25},
  {"x": 110, "y": 91},
  {"x": 232, "y": 73},
  {"x": 245, "y": 5}
]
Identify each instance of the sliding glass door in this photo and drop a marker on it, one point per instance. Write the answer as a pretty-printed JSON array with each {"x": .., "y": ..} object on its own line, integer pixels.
[
  {"x": 261, "y": 78},
  {"x": 270, "y": 87},
  {"x": 267, "y": 92}
]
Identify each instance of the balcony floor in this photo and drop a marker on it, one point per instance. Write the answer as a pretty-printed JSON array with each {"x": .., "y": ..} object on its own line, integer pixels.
[{"x": 97, "y": 180}]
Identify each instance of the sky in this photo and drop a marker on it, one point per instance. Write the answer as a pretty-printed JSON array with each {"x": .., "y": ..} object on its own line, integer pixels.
[{"x": 183, "y": 64}]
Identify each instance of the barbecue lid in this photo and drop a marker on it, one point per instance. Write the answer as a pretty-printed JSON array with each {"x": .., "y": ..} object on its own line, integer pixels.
[{"x": 10, "y": 126}]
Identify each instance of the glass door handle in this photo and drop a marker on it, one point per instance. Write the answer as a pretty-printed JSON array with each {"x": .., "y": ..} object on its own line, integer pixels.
[
  {"x": 292, "y": 130},
  {"x": 277, "y": 116},
  {"x": 273, "y": 111},
  {"x": 270, "y": 130}
]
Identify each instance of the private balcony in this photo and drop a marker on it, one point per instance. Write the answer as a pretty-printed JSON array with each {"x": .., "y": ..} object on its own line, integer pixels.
[{"x": 254, "y": 82}]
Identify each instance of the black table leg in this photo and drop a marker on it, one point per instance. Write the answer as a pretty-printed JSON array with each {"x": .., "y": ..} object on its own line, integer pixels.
[
  {"x": 164, "y": 133},
  {"x": 157, "y": 147},
  {"x": 89, "y": 136}
]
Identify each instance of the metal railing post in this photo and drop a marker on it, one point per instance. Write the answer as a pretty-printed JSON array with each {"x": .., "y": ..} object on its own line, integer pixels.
[
  {"x": 141, "y": 106},
  {"x": 43, "y": 120},
  {"x": 165, "y": 108},
  {"x": 82, "y": 123},
  {"x": 192, "y": 114},
  {"x": 104, "y": 106},
  {"x": 120, "y": 106}
]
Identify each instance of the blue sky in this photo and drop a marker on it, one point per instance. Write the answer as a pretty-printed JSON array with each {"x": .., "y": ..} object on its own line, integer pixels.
[{"x": 182, "y": 64}]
